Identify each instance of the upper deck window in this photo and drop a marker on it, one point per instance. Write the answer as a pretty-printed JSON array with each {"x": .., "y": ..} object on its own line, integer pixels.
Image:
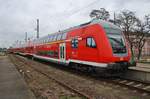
[
  {"x": 55, "y": 38},
  {"x": 74, "y": 43},
  {"x": 64, "y": 35},
  {"x": 59, "y": 36},
  {"x": 49, "y": 38}
]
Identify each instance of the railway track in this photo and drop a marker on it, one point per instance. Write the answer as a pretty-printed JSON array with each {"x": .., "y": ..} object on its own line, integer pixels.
[
  {"x": 133, "y": 84},
  {"x": 138, "y": 86},
  {"x": 82, "y": 94}
]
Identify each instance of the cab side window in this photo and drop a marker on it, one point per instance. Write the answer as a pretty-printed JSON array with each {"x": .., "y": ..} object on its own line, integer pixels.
[{"x": 90, "y": 42}]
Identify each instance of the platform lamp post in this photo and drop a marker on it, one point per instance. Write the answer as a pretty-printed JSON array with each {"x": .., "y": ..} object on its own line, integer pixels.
[
  {"x": 37, "y": 29},
  {"x": 26, "y": 36}
]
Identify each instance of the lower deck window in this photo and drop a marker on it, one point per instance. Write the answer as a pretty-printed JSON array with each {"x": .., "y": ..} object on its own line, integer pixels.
[{"x": 48, "y": 53}]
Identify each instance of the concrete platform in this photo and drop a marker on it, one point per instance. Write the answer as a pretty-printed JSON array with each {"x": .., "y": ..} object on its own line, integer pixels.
[
  {"x": 140, "y": 72},
  {"x": 12, "y": 85},
  {"x": 141, "y": 67},
  {"x": 147, "y": 65}
]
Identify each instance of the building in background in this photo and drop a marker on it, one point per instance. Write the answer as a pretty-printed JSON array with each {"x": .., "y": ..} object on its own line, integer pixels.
[{"x": 146, "y": 47}]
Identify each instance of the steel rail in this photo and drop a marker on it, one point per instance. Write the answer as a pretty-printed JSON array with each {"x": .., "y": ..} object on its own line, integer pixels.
[{"x": 57, "y": 81}]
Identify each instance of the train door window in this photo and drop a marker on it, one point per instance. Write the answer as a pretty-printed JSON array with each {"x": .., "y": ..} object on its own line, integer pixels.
[
  {"x": 62, "y": 51},
  {"x": 74, "y": 43},
  {"x": 90, "y": 42}
]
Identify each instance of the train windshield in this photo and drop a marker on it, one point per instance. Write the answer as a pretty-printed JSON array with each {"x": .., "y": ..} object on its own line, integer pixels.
[{"x": 116, "y": 40}]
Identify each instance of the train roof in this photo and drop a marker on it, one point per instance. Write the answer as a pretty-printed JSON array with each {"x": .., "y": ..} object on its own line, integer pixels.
[
  {"x": 106, "y": 24},
  {"x": 103, "y": 23}
]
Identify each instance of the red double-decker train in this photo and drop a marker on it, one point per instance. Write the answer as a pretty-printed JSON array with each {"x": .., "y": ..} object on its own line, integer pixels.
[{"x": 96, "y": 45}]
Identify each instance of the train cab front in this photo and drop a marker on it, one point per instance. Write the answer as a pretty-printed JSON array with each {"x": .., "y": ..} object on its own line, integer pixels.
[
  {"x": 115, "y": 52},
  {"x": 120, "y": 53}
]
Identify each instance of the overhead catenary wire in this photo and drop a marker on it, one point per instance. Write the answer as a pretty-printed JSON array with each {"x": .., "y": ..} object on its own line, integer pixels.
[
  {"x": 73, "y": 12},
  {"x": 82, "y": 8}
]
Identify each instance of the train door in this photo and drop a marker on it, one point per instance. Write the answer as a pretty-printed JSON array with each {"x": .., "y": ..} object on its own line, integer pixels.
[
  {"x": 62, "y": 52},
  {"x": 74, "y": 45}
]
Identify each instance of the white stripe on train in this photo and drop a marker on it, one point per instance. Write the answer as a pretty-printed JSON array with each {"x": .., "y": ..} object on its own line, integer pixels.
[{"x": 72, "y": 60}]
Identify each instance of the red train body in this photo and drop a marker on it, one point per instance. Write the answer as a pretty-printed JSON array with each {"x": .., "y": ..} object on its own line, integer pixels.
[{"x": 96, "y": 44}]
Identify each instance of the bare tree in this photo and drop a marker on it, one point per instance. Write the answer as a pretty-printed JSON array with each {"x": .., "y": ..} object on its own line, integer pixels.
[
  {"x": 135, "y": 30},
  {"x": 100, "y": 14},
  {"x": 127, "y": 21},
  {"x": 142, "y": 29}
]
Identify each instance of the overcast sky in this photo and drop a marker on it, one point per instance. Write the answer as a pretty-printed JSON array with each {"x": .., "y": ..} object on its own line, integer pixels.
[{"x": 19, "y": 16}]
